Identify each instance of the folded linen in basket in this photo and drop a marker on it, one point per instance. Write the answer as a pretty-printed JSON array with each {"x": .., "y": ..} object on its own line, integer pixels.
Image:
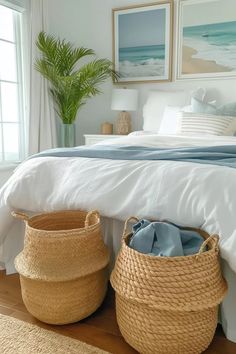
[{"x": 164, "y": 239}]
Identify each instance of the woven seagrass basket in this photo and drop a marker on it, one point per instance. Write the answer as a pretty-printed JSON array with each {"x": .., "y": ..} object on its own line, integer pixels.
[
  {"x": 63, "y": 266},
  {"x": 168, "y": 305}
]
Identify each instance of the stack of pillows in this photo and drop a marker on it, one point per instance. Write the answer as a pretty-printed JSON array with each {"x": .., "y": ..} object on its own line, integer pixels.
[
  {"x": 198, "y": 118},
  {"x": 208, "y": 119}
]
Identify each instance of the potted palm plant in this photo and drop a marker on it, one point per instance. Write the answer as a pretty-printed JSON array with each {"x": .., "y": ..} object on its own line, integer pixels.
[{"x": 70, "y": 84}]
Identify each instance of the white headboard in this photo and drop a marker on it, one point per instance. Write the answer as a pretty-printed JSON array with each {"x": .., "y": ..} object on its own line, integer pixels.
[
  {"x": 157, "y": 101},
  {"x": 221, "y": 90}
]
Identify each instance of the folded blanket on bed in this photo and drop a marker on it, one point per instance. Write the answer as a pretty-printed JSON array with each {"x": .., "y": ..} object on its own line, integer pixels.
[
  {"x": 164, "y": 239},
  {"x": 215, "y": 155}
]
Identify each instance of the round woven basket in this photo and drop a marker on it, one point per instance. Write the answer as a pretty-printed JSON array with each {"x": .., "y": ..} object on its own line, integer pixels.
[
  {"x": 63, "y": 266},
  {"x": 168, "y": 305}
]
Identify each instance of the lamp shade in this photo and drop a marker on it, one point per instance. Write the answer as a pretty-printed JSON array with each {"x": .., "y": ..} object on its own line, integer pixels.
[{"x": 124, "y": 100}]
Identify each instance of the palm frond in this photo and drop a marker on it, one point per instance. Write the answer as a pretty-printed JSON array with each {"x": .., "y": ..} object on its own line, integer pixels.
[
  {"x": 70, "y": 86},
  {"x": 97, "y": 71},
  {"x": 60, "y": 54}
]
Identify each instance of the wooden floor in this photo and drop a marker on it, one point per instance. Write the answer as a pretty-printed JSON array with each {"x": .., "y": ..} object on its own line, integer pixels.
[{"x": 99, "y": 330}]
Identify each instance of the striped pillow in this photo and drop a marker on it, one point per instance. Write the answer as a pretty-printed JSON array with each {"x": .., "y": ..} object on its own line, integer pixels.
[{"x": 207, "y": 124}]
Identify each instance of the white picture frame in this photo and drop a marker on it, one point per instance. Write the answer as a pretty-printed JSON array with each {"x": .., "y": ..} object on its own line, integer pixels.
[{"x": 200, "y": 53}]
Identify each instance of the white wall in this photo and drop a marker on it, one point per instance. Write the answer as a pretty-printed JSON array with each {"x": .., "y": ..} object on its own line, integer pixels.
[{"x": 89, "y": 23}]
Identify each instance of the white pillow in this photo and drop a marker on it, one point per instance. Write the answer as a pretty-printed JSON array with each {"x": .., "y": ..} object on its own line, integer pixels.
[
  {"x": 199, "y": 94},
  {"x": 205, "y": 124},
  {"x": 143, "y": 132},
  {"x": 157, "y": 101},
  {"x": 169, "y": 123}
]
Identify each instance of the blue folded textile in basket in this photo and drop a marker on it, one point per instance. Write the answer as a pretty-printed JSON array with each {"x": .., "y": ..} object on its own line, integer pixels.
[{"x": 164, "y": 239}]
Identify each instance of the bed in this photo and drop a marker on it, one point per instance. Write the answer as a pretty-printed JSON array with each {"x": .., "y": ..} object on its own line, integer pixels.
[{"x": 188, "y": 194}]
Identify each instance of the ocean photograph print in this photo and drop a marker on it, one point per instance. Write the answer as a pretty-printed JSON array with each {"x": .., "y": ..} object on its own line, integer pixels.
[
  {"x": 207, "y": 39},
  {"x": 142, "y": 42}
]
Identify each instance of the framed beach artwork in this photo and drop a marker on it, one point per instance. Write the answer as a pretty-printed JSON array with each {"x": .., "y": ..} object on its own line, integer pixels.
[
  {"x": 142, "y": 42},
  {"x": 207, "y": 39}
]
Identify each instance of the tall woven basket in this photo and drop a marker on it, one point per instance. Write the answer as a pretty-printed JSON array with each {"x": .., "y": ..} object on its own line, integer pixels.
[
  {"x": 168, "y": 305},
  {"x": 63, "y": 266}
]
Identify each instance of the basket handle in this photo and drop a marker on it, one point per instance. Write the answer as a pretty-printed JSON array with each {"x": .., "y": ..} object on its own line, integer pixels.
[
  {"x": 132, "y": 218},
  {"x": 19, "y": 215},
  {"x": 90, "y": 215},
  {"x": 216, "y": 246}
]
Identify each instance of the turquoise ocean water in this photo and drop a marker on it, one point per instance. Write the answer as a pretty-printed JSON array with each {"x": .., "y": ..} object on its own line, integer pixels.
[
  {"x": 142, "y": 55},
  {"x": 142, "y": 60},
  {"x": 213, "y": 42}
]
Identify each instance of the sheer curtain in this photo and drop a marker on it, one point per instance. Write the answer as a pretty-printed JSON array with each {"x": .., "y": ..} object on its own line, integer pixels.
[{"x": 41, "y": 132}]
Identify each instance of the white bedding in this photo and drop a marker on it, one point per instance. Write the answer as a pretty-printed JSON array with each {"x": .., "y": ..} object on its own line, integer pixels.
[{"x": 184, "y": 193}]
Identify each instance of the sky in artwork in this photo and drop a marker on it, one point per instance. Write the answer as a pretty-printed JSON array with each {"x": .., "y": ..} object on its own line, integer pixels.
[
  {"x": 199, "y": 12},
  {"x": 142, "y": 28}
]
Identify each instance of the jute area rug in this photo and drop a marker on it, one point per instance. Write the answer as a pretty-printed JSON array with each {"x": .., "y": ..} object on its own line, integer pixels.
[{"x": 18, "y": 337}]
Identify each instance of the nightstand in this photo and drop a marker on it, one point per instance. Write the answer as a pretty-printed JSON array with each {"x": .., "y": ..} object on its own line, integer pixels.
[{"x": 91, "y": 139}]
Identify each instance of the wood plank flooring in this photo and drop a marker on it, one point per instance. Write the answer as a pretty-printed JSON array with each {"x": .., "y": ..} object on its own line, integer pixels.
[{"x": 100, "y": 329}]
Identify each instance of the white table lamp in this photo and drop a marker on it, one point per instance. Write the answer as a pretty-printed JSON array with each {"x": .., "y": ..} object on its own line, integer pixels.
[{"x": 124, "y": 100}]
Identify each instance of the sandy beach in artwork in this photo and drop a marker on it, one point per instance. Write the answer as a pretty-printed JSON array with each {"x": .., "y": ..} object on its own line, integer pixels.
[{"x": 191, "y": 65}]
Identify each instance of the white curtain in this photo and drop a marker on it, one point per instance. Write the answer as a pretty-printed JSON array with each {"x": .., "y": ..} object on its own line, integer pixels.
[{"x": 41, "y": 116}]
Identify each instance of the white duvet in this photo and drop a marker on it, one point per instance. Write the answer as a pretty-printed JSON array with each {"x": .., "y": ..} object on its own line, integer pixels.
[{"x": 184, "y": 193}]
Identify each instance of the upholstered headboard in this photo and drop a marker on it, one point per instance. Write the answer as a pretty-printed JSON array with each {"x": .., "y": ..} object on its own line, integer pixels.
[{"x": 157, "y": 101}]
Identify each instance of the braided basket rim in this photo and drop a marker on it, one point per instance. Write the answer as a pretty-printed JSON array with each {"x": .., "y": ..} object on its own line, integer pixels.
[
  {"x": 175, "y": 258},
  {"x": 54, "y": 233},
  {"x": 130, "y": 292},
  {"x": 35, "y": 261}
]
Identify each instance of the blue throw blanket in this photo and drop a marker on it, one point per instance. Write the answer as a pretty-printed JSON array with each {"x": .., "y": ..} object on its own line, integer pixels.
[{"x": 215, "y": 155}]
